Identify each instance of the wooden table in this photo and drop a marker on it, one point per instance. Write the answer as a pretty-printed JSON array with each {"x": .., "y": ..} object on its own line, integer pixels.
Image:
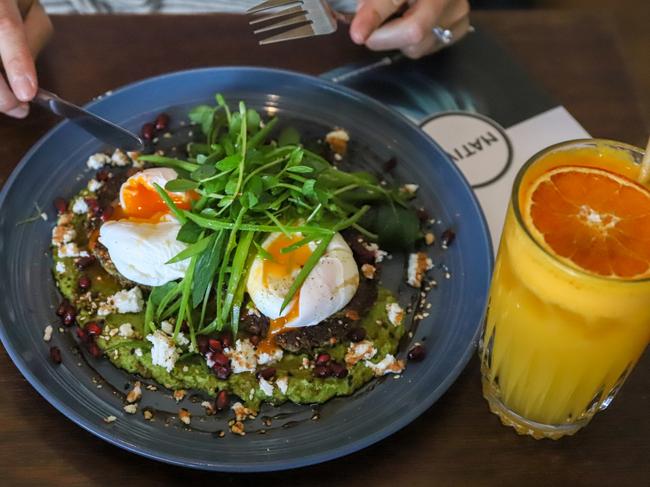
[{"x": 457, "y": 441}]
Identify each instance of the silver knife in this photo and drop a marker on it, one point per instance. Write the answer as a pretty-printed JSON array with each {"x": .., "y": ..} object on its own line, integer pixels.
[{"x": 96, "y": 126}]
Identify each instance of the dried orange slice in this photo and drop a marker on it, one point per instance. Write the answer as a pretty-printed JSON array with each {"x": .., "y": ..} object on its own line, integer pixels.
[{"x": 595, "y": 219}]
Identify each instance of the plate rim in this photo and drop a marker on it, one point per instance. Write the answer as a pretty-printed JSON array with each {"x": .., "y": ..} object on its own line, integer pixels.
[{"x": 276, "y": 465}]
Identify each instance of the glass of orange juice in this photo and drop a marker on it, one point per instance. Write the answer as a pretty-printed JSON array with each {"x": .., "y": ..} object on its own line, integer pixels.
[{"x": 569, "y": 310}]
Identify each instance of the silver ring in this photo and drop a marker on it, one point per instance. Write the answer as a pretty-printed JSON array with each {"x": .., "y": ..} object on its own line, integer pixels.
[{"x": 445, "y": 36}]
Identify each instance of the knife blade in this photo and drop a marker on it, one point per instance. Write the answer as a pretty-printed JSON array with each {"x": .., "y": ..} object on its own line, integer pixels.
[{"x": 95, "y": 125}]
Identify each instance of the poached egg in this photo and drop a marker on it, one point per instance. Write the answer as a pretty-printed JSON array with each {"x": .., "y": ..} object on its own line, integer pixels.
[
  {"x": 142, "y": 236},
  {"x": 329, "y": 287}
]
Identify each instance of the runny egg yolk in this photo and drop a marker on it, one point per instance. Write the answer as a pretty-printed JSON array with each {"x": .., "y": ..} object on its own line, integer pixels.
[
  {"x": 142, "y": 201},
  {"x": 284, "y": 265}
]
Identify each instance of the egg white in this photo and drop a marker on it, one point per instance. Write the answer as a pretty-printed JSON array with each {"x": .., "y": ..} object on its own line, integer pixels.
[
  {"x": 139, "y": 250},
  {"x": 329, "y": 287}
]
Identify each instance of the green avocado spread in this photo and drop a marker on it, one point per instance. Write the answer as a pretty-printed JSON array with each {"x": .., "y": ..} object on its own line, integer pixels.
[{"x": 294, "y": 379}]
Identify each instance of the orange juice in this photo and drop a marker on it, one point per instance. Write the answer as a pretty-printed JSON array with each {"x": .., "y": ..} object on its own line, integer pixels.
[{"x": 569, "y": 308}]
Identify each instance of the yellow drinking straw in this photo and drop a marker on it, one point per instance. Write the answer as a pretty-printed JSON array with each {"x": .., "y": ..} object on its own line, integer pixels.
[{"x": 644, "y": 174}]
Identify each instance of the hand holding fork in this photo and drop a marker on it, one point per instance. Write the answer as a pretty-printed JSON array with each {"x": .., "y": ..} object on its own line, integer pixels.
[{"x": 416, "y": 27}]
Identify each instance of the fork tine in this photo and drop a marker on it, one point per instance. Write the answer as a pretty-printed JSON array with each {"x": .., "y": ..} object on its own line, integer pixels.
[
  {"x": 284, "y": 23},
  {"x": 271, "y": 4},
  {"x": 283, "y": 13},
  {"x": 297, "y": 33}
]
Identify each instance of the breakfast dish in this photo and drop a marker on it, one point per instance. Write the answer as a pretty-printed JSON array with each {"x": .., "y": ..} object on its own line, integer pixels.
[
  {"x": 94, "y": 394},
  {"x": 245, "y": 266}
]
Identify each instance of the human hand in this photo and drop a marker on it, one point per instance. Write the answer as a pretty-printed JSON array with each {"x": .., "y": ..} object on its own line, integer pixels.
[
  {"x": 412, "y": 33},
  {"x": 24, "y": 30}
]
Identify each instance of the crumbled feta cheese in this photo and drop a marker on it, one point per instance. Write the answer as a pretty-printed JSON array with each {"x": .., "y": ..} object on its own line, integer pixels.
[
  {"x": 283, "y": 384},
  {"x": 105, "y": 309},
  {"x": 128, "y": 301},
  {"x": 242, "y": 357},
  {"x": 368, "y": 271},
  {"x": 80, "y": 207},
  {"x": 97, "y": 161},
  {"x": 418, "y": 264},
  {"x": 60, "y": 267},
  {"x": 138, "y": 352},
  {"x": 135, "y": 158},
  {"x": 374, "y": 248},
  {"x": 363, "y": 350},
  {"x": 306, "y": 364},
  {"x": 264, "y": 358},
  {"x": 410, "y": 189},
  {"x": 47, "y": 333},
  {"x": 163, "y": 351},
  {"x": 181, "y": 339},
  {"x": 167, "y": 327},
  {"x": 388, "y": 365},
  {"x": 126, "y": 330},
  {"x": 110, "y": 419},
  {"x": 131, "y": 408},
  {"x": 395, "y": 313},
  {"x": 43, "y": 216},
  {"x": 69, "y": 250},
  {"x": 120, "y": 159},
  {"x": 94, "y": 185},
  {"x": 266, "y": 387}
]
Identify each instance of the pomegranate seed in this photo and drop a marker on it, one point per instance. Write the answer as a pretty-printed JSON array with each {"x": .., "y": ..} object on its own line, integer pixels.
[
  {"x": 255, "y": 340},
  {"x": 357, "y": 334},
  {"x": 221, "y": 372},
  {"x": 148, "y": 131},
  {"x": 423, "y": 215},
  {"x": 107, "y": 213},
  {"x": 93, "y": 205},
  {"x": 390, "y": 164},
  {"x": 447, "y": 237},
  {"x": 266, "y": 373},
  {"x": 55, "y": 355},
  {"x": 69, "y": 316},
  {"x": 226, "y": 340},
  {"x": 60, "y": 205},
  {"x": 63, "y": 307},
  {"x": 103, "y": 175},
  {"x": 84, "y": 283},
  {"x": 223, "y": 400},
  {"x": 84, "y": 262},
  {"x": 93, "y": 328},
  {"x": 417, "y": 353},
  {"x": 202, "y": 344},
  {"x": 220, "y": 359},
  {"x": 339, "y": 370},
  {"x": 215, "y": 345},
  {"x": 323, "y": 358},
  {"x": 322, "y": 371},
  {"x": 162, "y": 121},
  {"x": 94, "y": 350}
]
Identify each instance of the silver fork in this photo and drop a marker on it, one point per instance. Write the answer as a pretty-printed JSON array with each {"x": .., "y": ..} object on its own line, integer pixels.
[{"x": 310, "y": 18}]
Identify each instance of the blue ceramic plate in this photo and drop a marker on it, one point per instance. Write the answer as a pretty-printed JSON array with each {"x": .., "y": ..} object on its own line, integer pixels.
[{"x": 55, "y": 166}]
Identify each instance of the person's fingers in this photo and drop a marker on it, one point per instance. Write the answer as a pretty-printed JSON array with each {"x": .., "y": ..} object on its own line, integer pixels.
[
  {"x": 432, "y": 44},
  {"x": 9, "y": 104},
  {"x": 38, "y": 28},
  {"x": 14, "y": 52},
  {"x": 410, "y": 29},
  {"x": 370, "y": 15}
]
